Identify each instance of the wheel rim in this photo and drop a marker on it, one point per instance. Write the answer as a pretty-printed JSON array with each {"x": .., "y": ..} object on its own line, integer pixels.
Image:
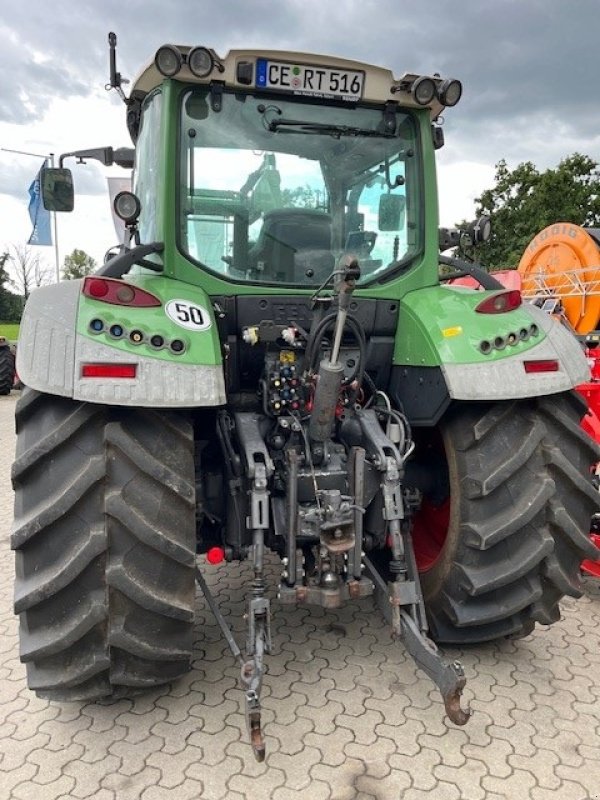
[
  {"x": 431, "y": 523},
  {"x": 430, "y": 530}
]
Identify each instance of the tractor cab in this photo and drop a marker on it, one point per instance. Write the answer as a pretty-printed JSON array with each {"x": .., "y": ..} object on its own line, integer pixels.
[{"x": 278, "y": 165}]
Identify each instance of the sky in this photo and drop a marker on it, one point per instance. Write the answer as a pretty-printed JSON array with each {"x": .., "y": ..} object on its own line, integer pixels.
[{"x": 530, "y": 71}]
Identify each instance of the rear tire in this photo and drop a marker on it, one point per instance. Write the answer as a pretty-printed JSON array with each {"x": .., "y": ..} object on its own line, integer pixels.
[
  {"x": 7, "y": 370},
  {"x": 105, "y": 537},
  {"x": 521, "y": 500}
]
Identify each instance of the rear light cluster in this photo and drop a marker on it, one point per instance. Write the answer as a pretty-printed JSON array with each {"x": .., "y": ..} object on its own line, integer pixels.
[
  {"x": 136, "y": 336},
  {"x": 118, "y": 293},
  {"x": 500, "y": 303},
  {"x": 487, "y": 346}
]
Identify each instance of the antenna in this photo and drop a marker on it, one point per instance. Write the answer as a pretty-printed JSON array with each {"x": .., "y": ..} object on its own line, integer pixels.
[{"x": 115, "y": 79}]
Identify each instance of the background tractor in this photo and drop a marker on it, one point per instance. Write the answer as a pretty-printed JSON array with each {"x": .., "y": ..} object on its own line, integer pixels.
[
  {"x": 7, "y": 366},
  {"x": 271, "y": 363}
]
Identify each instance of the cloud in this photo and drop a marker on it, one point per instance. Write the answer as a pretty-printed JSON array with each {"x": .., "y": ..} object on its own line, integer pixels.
[
  {"x": 529, "y": 69},
  {"x": 31, "y": 80},
  {"x": 515, "y": 59}
]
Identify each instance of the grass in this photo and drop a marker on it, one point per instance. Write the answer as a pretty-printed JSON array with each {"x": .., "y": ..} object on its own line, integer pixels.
[{"x": 10, "y": 330}]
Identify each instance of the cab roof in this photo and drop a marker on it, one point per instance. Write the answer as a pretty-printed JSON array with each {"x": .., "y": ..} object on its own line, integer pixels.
[{"x": 240, "y": 69}]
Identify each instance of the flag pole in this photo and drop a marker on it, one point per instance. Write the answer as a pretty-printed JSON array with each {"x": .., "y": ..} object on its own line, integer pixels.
[
  {"x": 55, "y": 225},
  {"x": 51, "y": 156}
]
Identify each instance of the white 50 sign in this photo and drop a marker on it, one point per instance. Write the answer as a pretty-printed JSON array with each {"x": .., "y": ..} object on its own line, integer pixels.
[{"x": 188, "y": 315}]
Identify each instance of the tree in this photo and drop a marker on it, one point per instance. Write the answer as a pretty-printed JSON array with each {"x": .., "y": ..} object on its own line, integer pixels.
[
  {"x": 11, "y": 305},
  {"x": 78, "y": 265},
  {"x": 302, "y": 197},
  {"x": 27, "y": 271},
  {"x": 524, "y": 201}
]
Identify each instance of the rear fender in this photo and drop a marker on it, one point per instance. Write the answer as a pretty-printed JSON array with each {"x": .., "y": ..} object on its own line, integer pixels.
[
  {"x": 56, "y": 340},
  {"x": 440, "y": 338}
]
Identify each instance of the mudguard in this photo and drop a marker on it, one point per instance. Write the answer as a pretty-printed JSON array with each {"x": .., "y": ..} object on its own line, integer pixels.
[
  {"x": 64, "y": 332},
  {"x": 439, "y": 328}
]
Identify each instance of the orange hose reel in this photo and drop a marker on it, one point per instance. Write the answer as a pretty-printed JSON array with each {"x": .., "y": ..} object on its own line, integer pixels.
[{"x": 563, "y": 261}]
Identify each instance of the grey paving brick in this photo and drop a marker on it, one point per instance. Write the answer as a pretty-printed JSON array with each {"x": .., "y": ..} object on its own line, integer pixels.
[
  {"x": 52, "y": 790},
  {"x": 130, "y": 786},
  {"x": 187, "y": 790},
  {"x": 88, "y": 776}
]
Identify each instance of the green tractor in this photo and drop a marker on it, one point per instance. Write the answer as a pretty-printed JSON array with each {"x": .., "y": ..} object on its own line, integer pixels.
[{"x": 270, "y": 362}]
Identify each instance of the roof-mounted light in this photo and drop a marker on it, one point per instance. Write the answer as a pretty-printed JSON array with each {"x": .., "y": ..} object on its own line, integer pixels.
[
  {"x": 200, "y": 61},
  {"x": 423, "y": 90},
  {"x": 450, "y": 92},
  {"x": 168, "y": 60},
  {"x": 480, "y": 229}
]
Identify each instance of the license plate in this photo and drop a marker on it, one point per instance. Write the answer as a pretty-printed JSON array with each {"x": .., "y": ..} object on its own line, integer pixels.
[{"x": 312, "y": 80}]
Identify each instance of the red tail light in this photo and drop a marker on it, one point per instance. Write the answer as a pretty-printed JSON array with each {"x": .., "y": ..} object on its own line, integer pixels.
[
  {"x": 119, "y": 293},
  {"x": 543, "y": 365},
  {"x": 108, "y": 370},
  {"x": 500, "y": 303}
]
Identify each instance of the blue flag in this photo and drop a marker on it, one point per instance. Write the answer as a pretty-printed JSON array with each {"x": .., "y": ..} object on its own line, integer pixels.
[{"x": 40, "y": 216}]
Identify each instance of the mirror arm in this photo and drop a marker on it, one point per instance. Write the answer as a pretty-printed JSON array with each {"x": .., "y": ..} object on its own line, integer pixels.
[{"x": 122, "y": 156}]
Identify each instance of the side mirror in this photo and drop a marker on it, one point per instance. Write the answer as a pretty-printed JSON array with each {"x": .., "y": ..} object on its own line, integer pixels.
[
  {"x": 437, "y": 134},
  {"x": 391, "y": 212},
  {"x": 57, "y": 189}
]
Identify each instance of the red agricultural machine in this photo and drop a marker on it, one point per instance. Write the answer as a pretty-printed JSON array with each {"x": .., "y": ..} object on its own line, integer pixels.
[{"x": 560, "y": 271}]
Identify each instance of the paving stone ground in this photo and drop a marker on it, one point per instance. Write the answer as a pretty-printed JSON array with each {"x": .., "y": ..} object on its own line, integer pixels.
[{"x": 347, "y": 715}]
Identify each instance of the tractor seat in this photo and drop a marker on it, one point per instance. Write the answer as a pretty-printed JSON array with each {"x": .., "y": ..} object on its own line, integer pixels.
[{"x": 292, "y": 241}]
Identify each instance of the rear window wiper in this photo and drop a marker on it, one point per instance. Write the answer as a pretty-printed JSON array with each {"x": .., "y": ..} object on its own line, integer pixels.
[
  {"x": 324, "y": 128},
  {"x": 278, "y": 123}
]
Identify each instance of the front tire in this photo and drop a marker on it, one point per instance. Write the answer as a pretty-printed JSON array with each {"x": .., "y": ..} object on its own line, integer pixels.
[
  {"x": 521, "y": 500},
  {"x": 104, "y": 535}
]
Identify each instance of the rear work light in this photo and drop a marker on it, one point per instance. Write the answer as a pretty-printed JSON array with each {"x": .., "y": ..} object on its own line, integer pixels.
[
  {"x": 108, "y": 370},
  {"x": 500, "y": 303},
  {"x": 118, "y": 293},
  {"x": 542, "y": 365}
]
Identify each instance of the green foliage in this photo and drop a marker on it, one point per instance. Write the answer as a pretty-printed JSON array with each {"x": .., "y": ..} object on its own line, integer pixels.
[
  {"x": 523, "y": 201},
  {"x": 302, "y": 197},
  {"x": 11, "y": 305},
  {"x": 9, "y": 330},
  {"x": 78, "y": 265}
]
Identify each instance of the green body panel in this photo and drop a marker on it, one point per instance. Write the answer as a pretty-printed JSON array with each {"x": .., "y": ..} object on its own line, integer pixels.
[
  {"x": 201, "y": 347},
  {"x": 439, "y": 325}
]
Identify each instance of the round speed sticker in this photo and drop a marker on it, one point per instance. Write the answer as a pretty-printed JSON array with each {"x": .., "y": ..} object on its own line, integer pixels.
[{"x": 188, "y": 315}]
